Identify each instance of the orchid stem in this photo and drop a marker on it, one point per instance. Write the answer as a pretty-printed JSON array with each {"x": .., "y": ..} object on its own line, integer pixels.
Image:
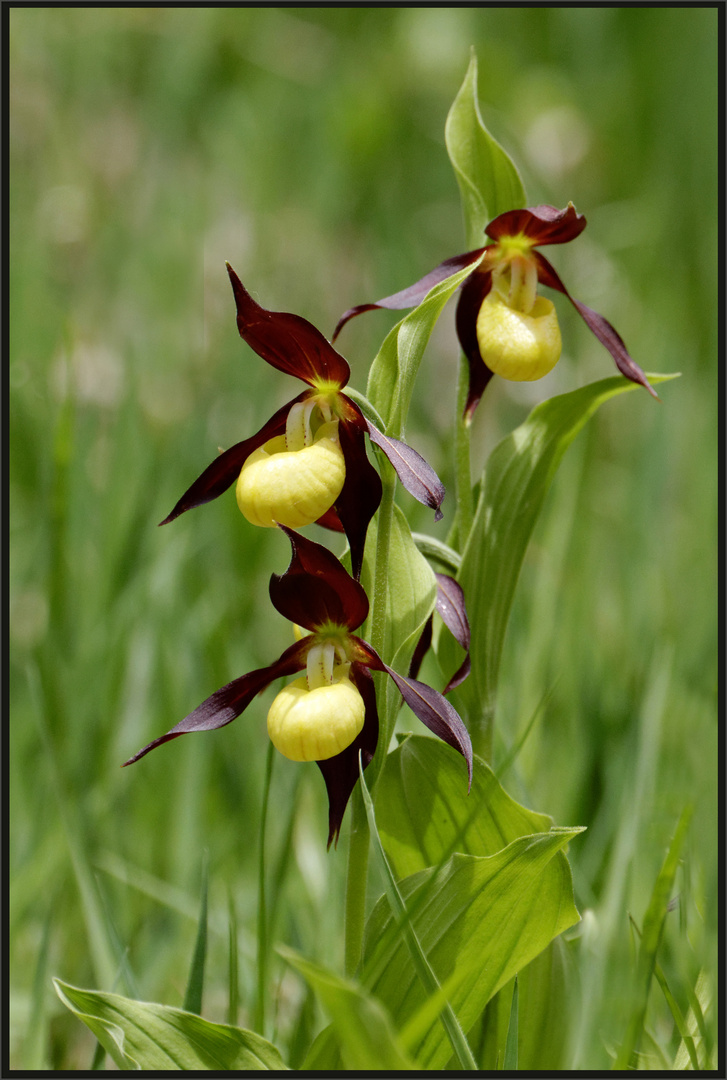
[
  {"x": 357, "y": 874},
  {"x": 262, "y": 913},
  {"x": 358, "y": 851},
  {"x": 379, "y": 611},
  {"x": 465, "y": 501}
]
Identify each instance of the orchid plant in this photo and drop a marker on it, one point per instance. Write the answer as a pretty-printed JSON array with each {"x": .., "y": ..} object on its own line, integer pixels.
[
  {"x": 330, "y": 715},
  {"x": 477, "y": 887}
]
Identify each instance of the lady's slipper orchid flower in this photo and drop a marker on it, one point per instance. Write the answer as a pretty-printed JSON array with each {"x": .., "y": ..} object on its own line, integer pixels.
[
  {"x": 308, "y": 462},
  {"x": 502, "y": 324},
  {"x": 329, "y": 715}
]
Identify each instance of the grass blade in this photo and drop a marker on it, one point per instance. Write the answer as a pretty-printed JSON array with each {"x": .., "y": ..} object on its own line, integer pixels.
[
  {"x": 102, "y": 954},
  {"x": 673, "y": 1007},
  {"x": 195, "y": 984},
  {"x": 510, "y": 1060},
  {"x": 262, "y": 912},
  {"x": 233, "y": 993},
  {"x": 424, "y": 970},
  {"x": 653, "y": 924},
  {"x": 35, "y": 1036}
]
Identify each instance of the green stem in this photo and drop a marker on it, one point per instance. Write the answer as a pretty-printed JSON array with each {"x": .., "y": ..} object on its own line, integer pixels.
[
  {"x": 465, "y": 501},
  {"x": 358, "y": 852},
  {"x": 262, "y": 915},
  {"x": 357, "y": 874},
  {"x": 379, "y": 598}
]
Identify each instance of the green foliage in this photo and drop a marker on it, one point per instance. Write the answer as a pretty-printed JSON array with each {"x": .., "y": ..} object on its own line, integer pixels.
[
  {"x": 423, "y": 968},
  {"x": 410, "y": 590},
  {"x": 306, "y": 147},
  {"x": 650, "y": 939},
  {"x": 509, "y": 1062},
  {"x": 423, "y": 819},
  {"x": 195, "y": 982},
  {"x": 513, "y": 487},
  {"x": 394, "y": 370},
  {"x": 361, "y": 1033},
  {"x": 523, "y": 889},
  {"x": 424, "y": 814},
  {"x": 489, "y": 183},
  {"x": 139, "y": 1035}
]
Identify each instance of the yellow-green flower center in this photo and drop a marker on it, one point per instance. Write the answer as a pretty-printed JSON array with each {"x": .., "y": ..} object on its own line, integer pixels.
[{"x": 509, "y": 247}]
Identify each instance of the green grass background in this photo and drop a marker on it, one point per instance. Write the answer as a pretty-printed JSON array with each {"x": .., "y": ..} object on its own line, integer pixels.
[{"x": 306, "y": 147}]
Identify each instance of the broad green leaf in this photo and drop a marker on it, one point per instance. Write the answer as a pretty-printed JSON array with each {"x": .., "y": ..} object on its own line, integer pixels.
[
  {"x": 361, "y": 1027},
  {"x": 488, "y": 181},
  {"x": 423, "y": 816},
  {"x": 479, "y": 921},
  {"x": 424, "y": 813},
  {"x": 512, "y": 490},
  {"x": 140, "y": 1035},
  {"x": 650, "y": 938},
  {"x": 394, "y": 370},
  {"x": 412, "y": 590},
  {"x": 423, "y": 968}
]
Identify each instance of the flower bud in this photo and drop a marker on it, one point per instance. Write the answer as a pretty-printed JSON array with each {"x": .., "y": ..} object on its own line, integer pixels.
[
  {"x": 292, "y": 487},
  {"x": 313, "y": 725},
  {"x": 517, "y": 346}
]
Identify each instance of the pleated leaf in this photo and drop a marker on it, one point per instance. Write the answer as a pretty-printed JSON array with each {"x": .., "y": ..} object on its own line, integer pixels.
[
  {"x": 142, "y": 1036},
  {"x": 516, "y": 479},
  {"x": 480, "y": 922},
  {"x": 424, "y": 816}
]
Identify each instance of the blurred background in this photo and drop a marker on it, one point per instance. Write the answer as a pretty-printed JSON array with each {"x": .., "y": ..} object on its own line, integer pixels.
[{"x": 306, "y": 146}]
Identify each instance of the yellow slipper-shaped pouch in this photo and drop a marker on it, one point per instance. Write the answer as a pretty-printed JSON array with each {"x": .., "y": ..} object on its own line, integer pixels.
[
  {"x": 293, "y": 488},
  {"x": 517, "y": 346},
  {"x": 313, "y": 725}
]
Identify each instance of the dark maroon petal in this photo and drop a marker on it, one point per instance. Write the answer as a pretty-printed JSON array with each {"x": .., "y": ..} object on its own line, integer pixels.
[
  {"x": 422, "y": 648},
  {"x": 434, "y": 711},
  {"x": 288, "y": 342},
  {"x": 330, "y": 520},
  {"x": 341, "y": 772},
  {"x": 451, "y": 607},
  {"x": 225, "y": 469},
  {"x": 414, "y": 294},
  {"x": 472, "y": 294},
  {"x": 316, "y": 589},
  {"x": 228, "y": 702},
  {"x": 460, "y": 675},
  {"x": 417, "y": 476},
  {"x": 361, "y": 493},
  {"x": 602, "y": 329},
  {"x": 541, "y": 224}
]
